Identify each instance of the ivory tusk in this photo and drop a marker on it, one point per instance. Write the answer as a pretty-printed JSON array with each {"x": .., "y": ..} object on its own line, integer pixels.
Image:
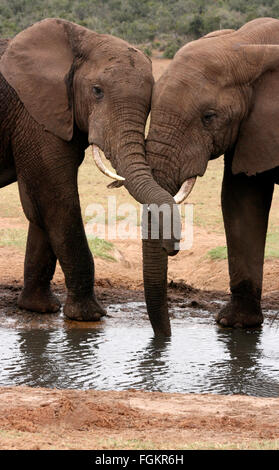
[
  {"x": 101, "y": 166},
  {"x": 185, "y": 190}
]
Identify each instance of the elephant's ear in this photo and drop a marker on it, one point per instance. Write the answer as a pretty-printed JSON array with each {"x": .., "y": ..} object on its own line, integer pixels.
[
  {"x": 257, "y": 147},
  {"x": 35, "y": 64}
]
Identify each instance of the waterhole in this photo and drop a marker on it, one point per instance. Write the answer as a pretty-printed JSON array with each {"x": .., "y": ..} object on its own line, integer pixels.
[{"x": 121, "y": 353}]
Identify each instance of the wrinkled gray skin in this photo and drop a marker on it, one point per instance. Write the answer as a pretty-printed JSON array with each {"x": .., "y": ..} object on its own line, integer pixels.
[
  {"x": 63, "y": 87},
  {"x": 219, "y": 96}
]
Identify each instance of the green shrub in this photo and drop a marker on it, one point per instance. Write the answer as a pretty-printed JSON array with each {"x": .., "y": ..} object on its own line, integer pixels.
[
  {"x": 171, "y": 49},
  {"x": 147, "y": 51},
  {"x": 139, "y": 21}
]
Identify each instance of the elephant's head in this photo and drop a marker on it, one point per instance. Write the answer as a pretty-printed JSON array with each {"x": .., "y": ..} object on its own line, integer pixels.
[
  {"x": 219, "y": 93},
  {"x": 69, "y": 77}
]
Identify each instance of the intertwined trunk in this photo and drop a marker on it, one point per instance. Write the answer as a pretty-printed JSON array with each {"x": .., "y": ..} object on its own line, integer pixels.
[
  {"x": 131, "y": 164},
  {"x": 128, "y": 158},
  {"x": 162, "y": 150},
  {"x": 155, "y": 272}
]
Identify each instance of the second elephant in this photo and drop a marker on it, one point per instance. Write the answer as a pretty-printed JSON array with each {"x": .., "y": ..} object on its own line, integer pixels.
[{"x": 219, "y": 96}]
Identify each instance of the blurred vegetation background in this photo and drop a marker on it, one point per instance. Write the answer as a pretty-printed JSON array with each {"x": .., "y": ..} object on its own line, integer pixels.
[{"x": 157, "y": 26}]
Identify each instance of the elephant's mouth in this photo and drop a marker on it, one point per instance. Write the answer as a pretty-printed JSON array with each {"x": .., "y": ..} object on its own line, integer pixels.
[{"x": 100, "y": 165}]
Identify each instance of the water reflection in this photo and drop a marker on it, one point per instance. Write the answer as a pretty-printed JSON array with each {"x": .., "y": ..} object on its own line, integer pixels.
[
  {"x": 199, "y": 358},
  {"x": 153, "y": 364},
  {"x": 50, "y": 358},
  {"x": 244, "y": 373}
]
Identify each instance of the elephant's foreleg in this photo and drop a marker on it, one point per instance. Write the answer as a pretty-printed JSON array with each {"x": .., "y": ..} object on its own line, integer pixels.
[
  {"x": 69, "y": 242},
  {"x": 54, "y": 205},
  {"x": 245, "y": 204},
  {"x": 39, "y": 267}
]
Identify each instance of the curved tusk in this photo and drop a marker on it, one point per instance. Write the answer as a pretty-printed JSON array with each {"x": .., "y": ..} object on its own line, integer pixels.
[
  {"x": 101, "y": 166},
  {"x": 185, "y": 190}
]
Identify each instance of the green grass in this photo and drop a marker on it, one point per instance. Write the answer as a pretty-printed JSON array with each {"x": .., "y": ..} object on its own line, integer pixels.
[
  {"x": 17, "y": 238},
  {"x": 13, "y": 237},
  {"x": 272, "y": 245},
  {"x": 250, "y": 445},
  {"x": 101, "y": 248},
  {"x": 138, "y": 444},
  {"x": 271, "y": 249},
  {"x": 10, "y": 205},
  {"x": 219, "y": 252},
  {"x": 11, "y": 437}
]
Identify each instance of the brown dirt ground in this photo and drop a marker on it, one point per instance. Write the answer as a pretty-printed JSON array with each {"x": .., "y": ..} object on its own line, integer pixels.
[{"x": 36, "y": 418}]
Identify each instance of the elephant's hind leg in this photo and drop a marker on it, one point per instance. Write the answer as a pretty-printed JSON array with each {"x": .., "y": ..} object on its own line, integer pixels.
[
  {"x": 245, "y": 203},
  {"x": 39, "y": 267}
]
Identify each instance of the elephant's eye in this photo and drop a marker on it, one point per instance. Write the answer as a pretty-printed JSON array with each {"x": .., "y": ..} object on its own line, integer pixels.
[
  {"x": 98, "y": 92},
  {"x": 208, "y": 117}
]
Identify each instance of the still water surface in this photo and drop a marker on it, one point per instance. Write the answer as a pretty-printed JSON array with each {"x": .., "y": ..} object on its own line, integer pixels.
[{"x": 121, "y": 353}]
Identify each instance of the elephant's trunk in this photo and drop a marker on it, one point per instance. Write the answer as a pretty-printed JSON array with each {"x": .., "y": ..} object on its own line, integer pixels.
[
  {"x": 163, "y": 209},
  {"x": 140, "y": 183},
  {"x": 155, "y": 269},
  {"x": 127, "y": 155},
  {"x": 155, "y": 273},
  {"x": 124, "y": 146},
  {"x": 164, "y": 145}
]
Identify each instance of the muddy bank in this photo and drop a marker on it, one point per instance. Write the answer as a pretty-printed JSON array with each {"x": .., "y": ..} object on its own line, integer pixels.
[
  {"x": 109, "y": 292},
  {"x": 58, "y": 419}
]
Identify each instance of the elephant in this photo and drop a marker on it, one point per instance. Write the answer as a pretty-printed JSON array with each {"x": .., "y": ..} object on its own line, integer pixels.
[
  {"x": 218, "y": 97},
  {"x": 64, "y": 87}
]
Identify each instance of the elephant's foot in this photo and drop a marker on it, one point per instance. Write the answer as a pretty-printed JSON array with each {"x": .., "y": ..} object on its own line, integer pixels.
[
  {"x": 241, "y": 313},
  {"x": 39, "y": 300},
  {"x": 83, "y": 310}
]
